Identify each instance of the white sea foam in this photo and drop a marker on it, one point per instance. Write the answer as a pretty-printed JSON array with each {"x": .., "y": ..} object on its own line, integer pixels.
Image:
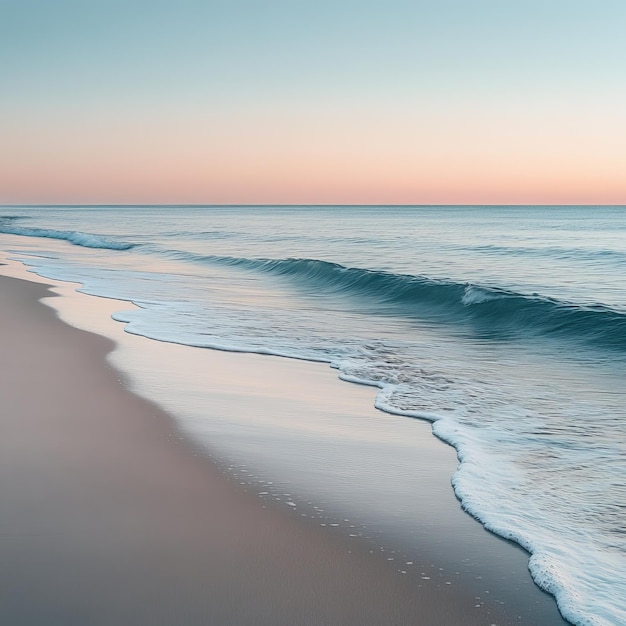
[{"x": 478, "y": 295}]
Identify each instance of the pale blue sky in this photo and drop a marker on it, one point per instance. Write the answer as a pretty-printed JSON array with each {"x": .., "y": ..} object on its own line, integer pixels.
[
  {"x": 66, "y": 59},
  {"x": 348, "y": 46}
]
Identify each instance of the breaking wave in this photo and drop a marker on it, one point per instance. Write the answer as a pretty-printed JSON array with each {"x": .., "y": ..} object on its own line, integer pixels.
[
  {"x": 489, "y": 312},
  {"x": 86, "y": 240}
]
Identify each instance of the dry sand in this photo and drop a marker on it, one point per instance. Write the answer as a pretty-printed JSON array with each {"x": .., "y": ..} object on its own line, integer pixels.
[{"x": 107, "y": 517}]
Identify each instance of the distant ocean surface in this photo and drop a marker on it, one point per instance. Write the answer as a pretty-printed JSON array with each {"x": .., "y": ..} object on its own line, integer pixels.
[{"x": 504, "y": 326}]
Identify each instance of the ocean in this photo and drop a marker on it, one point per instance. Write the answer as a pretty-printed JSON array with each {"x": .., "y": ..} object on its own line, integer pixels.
[{"x": 505, "y": 327}]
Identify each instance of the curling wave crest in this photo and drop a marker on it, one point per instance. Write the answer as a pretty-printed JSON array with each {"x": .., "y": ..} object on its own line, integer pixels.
[
  {"x": 489, "y": 312},
  {"x": 86, "y": 240}
]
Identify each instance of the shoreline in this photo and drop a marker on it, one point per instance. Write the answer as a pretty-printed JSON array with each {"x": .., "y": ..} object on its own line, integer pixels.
[{"x": 342, "y": 582}]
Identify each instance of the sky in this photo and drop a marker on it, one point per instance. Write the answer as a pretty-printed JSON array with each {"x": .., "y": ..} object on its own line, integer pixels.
[{"x": 317, "y": 102}]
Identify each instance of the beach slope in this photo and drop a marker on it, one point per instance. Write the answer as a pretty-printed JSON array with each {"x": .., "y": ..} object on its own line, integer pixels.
[{"x": 108, "y": 517}]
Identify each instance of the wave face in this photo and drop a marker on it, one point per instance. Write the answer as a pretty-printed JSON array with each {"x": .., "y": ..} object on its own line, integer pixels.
[
  {"x": 490, "y": 312},
  {"x": 86, "y": 240},
  {"x": 506, "y": 328}
]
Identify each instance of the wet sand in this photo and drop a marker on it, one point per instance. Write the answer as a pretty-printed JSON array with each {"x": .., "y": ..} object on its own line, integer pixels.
[{"x": 108, "y": 517}]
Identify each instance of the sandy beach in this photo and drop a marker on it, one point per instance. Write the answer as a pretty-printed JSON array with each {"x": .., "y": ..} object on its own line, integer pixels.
[{"x": 108, "y": 516}]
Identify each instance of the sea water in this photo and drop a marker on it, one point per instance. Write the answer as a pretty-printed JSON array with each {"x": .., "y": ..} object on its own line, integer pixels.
[{"x": 503, "y": 326}]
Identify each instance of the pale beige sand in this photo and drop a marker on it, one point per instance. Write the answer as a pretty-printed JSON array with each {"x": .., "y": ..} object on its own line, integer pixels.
[{"x": 108, "y": 517}]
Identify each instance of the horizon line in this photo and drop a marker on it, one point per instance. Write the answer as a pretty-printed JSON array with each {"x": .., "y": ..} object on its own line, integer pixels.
[{"x": 327, "y": 204}]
